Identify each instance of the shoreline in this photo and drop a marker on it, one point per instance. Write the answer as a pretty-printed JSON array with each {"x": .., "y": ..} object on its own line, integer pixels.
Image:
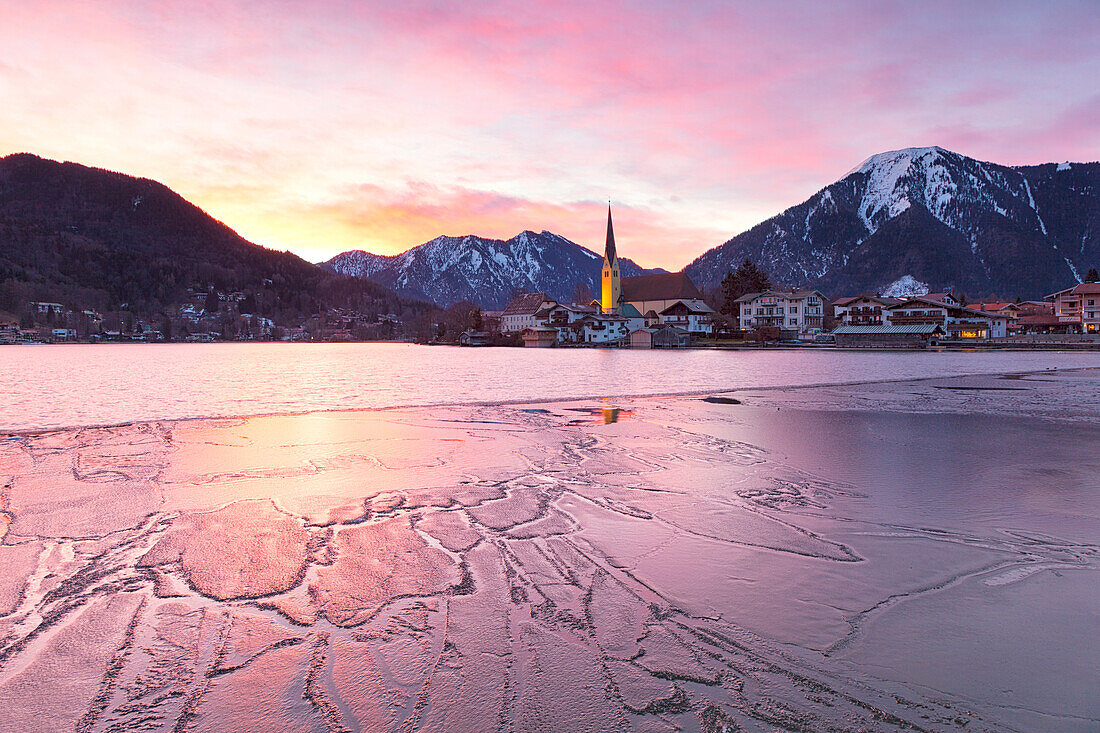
[{"x": 8, "y": 434}]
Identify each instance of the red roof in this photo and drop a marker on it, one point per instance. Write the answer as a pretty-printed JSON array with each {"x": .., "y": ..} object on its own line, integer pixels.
[
  {"x": 660, "y": 286},
  {"x": 990, "y": 306},
  {"x": 1087, "y": 289}
]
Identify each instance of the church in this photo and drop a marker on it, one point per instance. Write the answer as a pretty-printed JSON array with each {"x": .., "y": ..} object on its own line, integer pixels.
[
  {"x": 665, "y": 302},
  {"x": 643, "y": 294}
]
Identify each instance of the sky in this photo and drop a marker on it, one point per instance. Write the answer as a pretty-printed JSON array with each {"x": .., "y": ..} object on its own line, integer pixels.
[{"x": 324, "y": 126}]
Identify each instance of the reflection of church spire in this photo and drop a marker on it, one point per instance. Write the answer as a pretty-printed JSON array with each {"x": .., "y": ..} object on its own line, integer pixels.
[{"x": 612, "y": 288}]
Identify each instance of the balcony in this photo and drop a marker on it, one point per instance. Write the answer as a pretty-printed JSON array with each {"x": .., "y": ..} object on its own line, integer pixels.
[{"x": 899, "y": 320}]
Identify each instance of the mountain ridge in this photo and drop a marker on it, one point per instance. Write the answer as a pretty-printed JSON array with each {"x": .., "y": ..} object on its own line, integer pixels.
[
  {"x": 101, "y": 239},
  {"x": 483, "y": 270},
  {"x": 1006, "y": 230}
]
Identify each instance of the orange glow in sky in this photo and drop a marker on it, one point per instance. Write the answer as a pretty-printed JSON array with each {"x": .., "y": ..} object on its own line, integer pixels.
[{"x": 325, "y": 126}]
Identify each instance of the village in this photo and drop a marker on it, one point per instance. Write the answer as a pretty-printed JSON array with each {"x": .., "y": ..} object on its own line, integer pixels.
[
  {"x": 657, "y": 310},
  {"x": 668, "y": 310}
]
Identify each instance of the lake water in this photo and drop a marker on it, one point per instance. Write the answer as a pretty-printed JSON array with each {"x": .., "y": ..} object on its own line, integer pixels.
[{"x": 77, "y": 385}]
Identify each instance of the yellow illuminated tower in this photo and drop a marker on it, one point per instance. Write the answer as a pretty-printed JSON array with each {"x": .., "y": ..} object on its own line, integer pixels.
[{"x": 612, "y": 288}]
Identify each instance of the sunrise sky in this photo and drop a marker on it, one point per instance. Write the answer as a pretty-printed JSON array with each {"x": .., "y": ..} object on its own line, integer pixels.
[{"x": 325, "y": 126}]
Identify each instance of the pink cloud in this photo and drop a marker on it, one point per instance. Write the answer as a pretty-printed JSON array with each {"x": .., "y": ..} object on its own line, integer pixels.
[{"x": 701, "y": 119}]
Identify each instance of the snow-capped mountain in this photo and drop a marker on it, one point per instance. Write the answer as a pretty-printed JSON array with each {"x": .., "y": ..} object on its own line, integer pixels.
[
  {"x": 932, "y": 218},
  {"x": 484, "y": 271}
]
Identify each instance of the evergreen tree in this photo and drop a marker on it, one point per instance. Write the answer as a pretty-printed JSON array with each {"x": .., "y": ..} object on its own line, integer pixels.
[
  {"x": 748, "y": 278},
  {"x": 1093, "y": 276}
]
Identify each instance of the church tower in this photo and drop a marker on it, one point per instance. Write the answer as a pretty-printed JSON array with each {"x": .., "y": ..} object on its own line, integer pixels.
[{"x": 612, "y": 287}]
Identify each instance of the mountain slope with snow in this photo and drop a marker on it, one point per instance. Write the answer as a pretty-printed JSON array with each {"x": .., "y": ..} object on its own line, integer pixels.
[
  {"x": 484, "y": 271},
  {"x": 934, "y": 216}
]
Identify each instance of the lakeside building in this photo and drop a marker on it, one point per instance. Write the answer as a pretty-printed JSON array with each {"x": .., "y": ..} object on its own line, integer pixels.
[
  {"x": 606, "y": 329},
  {"x": 861, "y": 310},
  {"x": 957, "y": 321},
  {"x": 916, "y": 335},
  {"x": 520, "y": 313},
  {"x": 539, "y": 336},
  {"x": 693, "y": 316},
  {"x": 792, "y": 312},
  {"x": 1078, "y": 307},
  {"x": 666, "y": 337}
]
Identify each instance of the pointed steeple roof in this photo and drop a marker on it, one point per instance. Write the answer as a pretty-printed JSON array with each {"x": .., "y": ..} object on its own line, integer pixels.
[{"x": 609, "y": 247}]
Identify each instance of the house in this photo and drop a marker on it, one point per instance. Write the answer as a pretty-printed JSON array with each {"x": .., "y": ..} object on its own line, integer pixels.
[
  {"x": 665, "y": 337},
  {"x": 605, "y": 329},
  {"x": 793, "y": 312},
  {"x": 520, "y": 313},
  {"x": 642, "y": 338},
  {"x": 915, "y": 335},
  {"x": 10, "y": 333},
  {"x": 948, "y": 297},
  {"x": 557, "y": 315},
  {"x": 473, "y": 338},
  {"x": 692, "y": 315},
  {"x": 563, "y": 317},
  {"x": 957, "y": 322},
  {"x": 1078, "y": 307},
  {"x": 63, "y": 334},
  {"x": 1040, "y": 323},
  {"x": 539, "y": 336},
  {"x": 47, "y": 308},
  {"x": 671, "y": 337},
  {"x": 861, "y": 310}
]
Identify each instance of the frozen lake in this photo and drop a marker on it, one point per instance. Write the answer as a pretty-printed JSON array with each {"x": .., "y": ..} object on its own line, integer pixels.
[
  {"x": 905, "y": 555},
  {"x": 61, "y": 386}
]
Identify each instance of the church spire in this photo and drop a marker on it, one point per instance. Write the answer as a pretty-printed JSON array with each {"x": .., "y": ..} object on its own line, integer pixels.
[
  {"x": 611, "y": 290},
  {"x": 609, "y": 247}
]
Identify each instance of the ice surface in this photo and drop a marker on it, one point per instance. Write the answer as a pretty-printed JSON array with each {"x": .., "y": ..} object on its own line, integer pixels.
[{"x": 913, "y": 555}]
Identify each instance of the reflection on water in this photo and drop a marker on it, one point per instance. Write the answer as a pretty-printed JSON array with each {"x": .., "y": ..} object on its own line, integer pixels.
[
  {"x": 600, "y": 415},
  {"x": 109, "y": 384}
]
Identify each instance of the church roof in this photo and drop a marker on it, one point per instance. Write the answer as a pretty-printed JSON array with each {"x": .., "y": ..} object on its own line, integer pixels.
[
  {"x": 660, "y": 286},
  {"x": 609, "y": 245},
  {"x": 630, "y": 311}
]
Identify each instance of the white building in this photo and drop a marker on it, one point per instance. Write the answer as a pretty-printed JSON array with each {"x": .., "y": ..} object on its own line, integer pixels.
[
  {"x": 521, "y": 312},
  {"x": 1078, "y": 307},
  {"x": 796, "y": 311},
  {"x": 957, "y": 322},
  {"x": 861, "y": 310},
  {"x": 693, "y": 315},
  {"x": 606, "y": 329}
]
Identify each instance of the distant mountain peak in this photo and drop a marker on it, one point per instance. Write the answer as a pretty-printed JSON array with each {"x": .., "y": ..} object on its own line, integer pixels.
[
  {"x": 892, "y": 157},
  {"x": 938, "y": 216},
  {"x": 483, "y": 270}
]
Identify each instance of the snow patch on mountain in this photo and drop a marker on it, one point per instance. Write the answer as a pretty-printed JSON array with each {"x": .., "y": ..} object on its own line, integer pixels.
[
  {"x": 906, "y": 286},
  {"x": 885, "y": 189}
]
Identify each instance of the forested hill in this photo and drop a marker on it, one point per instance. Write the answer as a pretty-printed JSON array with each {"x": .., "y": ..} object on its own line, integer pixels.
[{"x": 90, "y": 238}]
